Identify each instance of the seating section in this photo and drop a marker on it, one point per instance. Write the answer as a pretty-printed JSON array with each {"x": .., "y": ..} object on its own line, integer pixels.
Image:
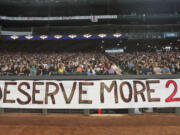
[
  {"x": 48, "y": 64},
  {"x": 148, "y": 63}
]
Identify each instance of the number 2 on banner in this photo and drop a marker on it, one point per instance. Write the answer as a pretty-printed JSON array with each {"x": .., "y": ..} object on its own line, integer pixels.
[{"x": 170, "y": 98}]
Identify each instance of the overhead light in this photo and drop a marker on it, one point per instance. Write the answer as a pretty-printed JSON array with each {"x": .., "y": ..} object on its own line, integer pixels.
[
  {"x": 29, "y": 37},
  {"x": 43, "y": 37},
  {"x": 58, "y": 36},
  {"x": 102, "y": 35},
  {"x": 117, "y": 35},
  {"x": 14, "y": 37},
  {"x": 72, "y": 36},
  {"x": 87, "y": 35}
]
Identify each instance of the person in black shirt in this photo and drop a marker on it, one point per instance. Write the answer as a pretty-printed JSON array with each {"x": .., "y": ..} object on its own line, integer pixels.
[
  {"x": 27, "y": 70},
  {"x": 46, "y": 71}
]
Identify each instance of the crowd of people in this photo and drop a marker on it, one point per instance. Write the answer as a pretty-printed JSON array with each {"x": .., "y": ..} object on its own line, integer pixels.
[
  {"x": 32, "y": 64},
  {"x": 47, "y": 64},
  {"x": 148, "y": 63}
]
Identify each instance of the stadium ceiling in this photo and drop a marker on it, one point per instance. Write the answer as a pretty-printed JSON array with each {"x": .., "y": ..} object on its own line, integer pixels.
[
  {"x": 127, "y": 12},
  {"x": 81, "y": 1},
  {"x": 86, "y": 7}
]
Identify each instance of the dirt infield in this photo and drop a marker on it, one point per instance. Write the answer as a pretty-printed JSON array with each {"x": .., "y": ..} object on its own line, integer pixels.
[{"x": 36, "y": 124}]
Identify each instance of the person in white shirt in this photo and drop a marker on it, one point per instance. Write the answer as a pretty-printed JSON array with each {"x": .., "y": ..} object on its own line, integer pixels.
[{"x": 116, "y": 69}]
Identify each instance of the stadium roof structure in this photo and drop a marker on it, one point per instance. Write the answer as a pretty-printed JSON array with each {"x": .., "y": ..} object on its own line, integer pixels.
[
  {"x": 26, "y": 13},
  {"x": 83, "y": 1},
  {"x": 86, "y": 7}
]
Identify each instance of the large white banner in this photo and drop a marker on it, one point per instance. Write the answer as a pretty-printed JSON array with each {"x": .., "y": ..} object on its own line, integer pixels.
[{"x": 90, "y": 94}]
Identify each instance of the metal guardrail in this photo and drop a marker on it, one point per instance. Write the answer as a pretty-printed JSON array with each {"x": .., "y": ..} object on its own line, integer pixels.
[{"x": 93, "y": 77}]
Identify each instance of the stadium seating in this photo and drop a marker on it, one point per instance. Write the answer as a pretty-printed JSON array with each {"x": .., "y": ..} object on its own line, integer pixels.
[{"x": 43, "y": 64}]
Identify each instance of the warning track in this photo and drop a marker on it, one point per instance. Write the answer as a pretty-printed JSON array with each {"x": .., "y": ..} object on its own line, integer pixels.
[{"x": 53, "y": 124}]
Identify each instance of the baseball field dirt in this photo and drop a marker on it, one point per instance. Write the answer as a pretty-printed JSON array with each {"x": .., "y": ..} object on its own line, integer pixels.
[{"x": 58, "y": 124}]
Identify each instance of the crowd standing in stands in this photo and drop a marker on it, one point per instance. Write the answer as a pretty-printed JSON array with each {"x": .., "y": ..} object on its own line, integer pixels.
[
  {"x": 47, "y": 64},
  {"x": 148, "y": 63},
  {"x": 32, "y": 64}
]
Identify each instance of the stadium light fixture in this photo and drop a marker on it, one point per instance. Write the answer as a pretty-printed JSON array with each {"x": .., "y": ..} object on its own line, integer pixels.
[
  {"x": 87, "y": 35},
  {"x": 58, "y": 36},
  {"x": 44, "y": 37},
  {"x": 29, "y": 37},
  {"x": 72, "y": 36},
  {"x": 117, "y": 35},
  {"x": 14, "y": 37},
  {"x": 102, "y": 35}
]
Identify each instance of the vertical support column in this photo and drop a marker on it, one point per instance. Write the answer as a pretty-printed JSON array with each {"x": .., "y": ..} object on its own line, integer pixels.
[
  {"x": 134, "y": 111},
  {"x": 177, "y": 111},
  {"x": 44, "y": 111},
  {"x": 1, "y": 110},
  {"x": 131, "y": 111},
  {"x": 86, "y": 112}
]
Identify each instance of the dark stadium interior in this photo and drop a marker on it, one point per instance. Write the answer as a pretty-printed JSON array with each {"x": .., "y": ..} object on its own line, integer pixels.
[
  {"x": 97, "y": 45},
  {"x": 87, "y": 7},
  {"x": 129, "y": 12}
]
